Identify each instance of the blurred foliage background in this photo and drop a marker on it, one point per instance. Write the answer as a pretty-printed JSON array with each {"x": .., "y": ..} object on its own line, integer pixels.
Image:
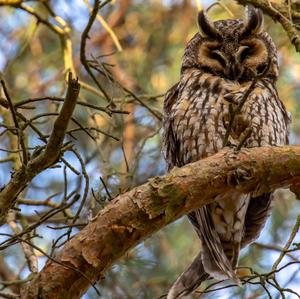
[{"x": 142, "y": 50}]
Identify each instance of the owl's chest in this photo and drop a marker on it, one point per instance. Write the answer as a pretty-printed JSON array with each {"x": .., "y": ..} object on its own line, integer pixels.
[
  {"x": 198, "y": 124},
  {"x": 201, "y": 118},
  {"x": 266, "y": 117}
]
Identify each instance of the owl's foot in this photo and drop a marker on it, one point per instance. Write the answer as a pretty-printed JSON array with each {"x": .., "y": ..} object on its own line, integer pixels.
[{"x": 238, "y": 176}]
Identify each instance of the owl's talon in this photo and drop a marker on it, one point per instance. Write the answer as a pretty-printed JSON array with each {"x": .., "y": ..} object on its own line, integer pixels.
[
  {"x": 238, "y": 176},
  {"x": 243, "y": 175}
]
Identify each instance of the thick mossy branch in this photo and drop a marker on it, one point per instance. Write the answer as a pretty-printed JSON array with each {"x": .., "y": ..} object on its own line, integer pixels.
[{"x": 135, "y": 215}]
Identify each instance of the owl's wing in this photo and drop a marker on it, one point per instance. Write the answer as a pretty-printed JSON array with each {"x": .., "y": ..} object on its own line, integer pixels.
[
  {"x": 210, "y": 254},
  {"x": 258, "y": 211},
  {"x": 192, "y": 277},
  {"x": 213, "y": 256},
  {"x": 171, "y": 144},
  {"x": 189, "y": 280},
  {"x": 260, "y": 207}
]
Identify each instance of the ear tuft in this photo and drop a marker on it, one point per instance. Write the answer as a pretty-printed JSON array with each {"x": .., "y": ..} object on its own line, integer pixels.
[
  {"x": 254, "y": 22},
  {"x": 206, "y": 26}
]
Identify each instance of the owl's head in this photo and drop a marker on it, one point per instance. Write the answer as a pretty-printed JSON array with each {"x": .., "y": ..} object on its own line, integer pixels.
[{"x": 233, "y": 49}]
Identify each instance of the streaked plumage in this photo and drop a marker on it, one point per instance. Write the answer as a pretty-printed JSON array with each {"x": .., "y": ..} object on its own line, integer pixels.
[{"x": 218, "y": 67}]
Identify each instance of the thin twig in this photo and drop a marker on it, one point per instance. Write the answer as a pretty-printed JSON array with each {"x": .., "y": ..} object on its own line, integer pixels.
[
  {"x": 288, "y": 243},
  {"x": 16, "y": 123},
  {"x": 28, "y": 252},
  {"x": 106, "y": 189},
  {"x": 84, "y": 37}
]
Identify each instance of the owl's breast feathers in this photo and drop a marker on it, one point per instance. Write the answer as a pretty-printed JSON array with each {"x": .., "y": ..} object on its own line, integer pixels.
[{"x": 197, "y": 113}]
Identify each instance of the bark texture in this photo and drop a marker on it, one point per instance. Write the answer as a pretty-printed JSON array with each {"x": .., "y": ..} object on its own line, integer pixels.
[{"x": 135, "y": 215}]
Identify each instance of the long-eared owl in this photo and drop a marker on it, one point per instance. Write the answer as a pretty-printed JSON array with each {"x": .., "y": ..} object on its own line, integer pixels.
[{"x": 226, "y": 96}]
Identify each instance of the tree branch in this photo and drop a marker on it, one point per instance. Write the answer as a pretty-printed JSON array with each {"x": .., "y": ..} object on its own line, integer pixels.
[
  {"x": 135, "y": 215},
  {"x": 49, "y": 156},
  {"x": 279, "y": 12}
]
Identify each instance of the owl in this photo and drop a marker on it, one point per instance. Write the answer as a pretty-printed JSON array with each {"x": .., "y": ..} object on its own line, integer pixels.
[{"x": 226, "y": 96}]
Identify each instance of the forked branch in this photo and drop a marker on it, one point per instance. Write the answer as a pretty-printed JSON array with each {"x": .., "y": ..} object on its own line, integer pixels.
[{"x": 46, "y": 158}]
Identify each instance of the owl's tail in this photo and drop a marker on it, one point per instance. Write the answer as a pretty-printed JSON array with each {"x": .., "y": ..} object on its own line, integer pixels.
[
  {"x": 216, "y": 259},
  {"x": 189, "y": 280}
]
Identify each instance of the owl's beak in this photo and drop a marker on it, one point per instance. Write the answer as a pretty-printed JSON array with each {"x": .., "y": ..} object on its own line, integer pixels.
[{"x": 232, "y": 71}]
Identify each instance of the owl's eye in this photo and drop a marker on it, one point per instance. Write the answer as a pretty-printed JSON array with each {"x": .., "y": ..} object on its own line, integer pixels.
[
  {"x": 218, "y": 55},
  {"x": 252, "y": 51},
  {"x": 211, "y": 56},
  {"x": 245, "y": 52}
]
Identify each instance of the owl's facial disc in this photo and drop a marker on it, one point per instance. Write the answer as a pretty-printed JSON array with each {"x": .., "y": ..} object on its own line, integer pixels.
[
  {"x": 253, "y": 55},
  {"x": 234, "y": 60},
  {"x": 235, "y": 53},
  {"x": 211, "y": 56}
]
